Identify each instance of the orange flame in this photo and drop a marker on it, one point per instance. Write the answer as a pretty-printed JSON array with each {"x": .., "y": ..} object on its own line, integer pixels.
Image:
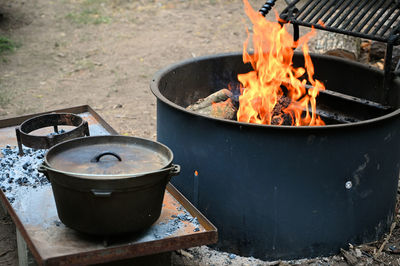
[{"x": 275, "y": 92}]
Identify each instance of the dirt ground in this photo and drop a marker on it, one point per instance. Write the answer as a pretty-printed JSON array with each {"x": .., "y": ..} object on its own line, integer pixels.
[{"x": 104, "y": 53}]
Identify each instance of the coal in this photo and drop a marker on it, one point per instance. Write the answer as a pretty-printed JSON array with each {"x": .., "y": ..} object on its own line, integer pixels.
[
  {"x": 20, "y": 171},
  {"x": 61, "y": 131}
]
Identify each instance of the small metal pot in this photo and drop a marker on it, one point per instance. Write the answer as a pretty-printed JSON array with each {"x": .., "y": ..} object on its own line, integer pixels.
[{"x": 109, "y": 185}]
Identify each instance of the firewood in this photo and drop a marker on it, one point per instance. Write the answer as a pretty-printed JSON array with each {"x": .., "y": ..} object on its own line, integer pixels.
[
  {"x": 377, "y": 53},
  {"x": 217, "y": 105},
  {"x": 379, "y": 64},
  {"x": 336, "y": 44},
  {"x": 219, "y": 96}
]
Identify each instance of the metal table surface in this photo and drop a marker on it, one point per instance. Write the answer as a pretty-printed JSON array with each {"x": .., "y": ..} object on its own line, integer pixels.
[{"x": 52, "y": 243}]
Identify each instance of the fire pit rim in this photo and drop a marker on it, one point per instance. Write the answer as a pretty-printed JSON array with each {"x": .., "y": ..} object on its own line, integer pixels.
[{"x": 160, "y": 73}]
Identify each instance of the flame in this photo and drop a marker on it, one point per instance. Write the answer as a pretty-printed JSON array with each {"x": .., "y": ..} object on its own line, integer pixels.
[{"x": 275, "y": 92}]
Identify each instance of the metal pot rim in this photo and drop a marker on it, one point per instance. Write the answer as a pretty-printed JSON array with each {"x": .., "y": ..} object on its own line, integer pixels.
[{"x": 166, "y": 167}]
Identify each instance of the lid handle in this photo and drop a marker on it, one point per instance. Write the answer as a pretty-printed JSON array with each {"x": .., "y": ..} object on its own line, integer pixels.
[{"x": 96, "y": 158}]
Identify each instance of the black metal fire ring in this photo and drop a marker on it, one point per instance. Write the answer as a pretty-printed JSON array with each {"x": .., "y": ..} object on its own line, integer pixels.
[
  {"x": 50, "y": 120},
  {"x": 340, "y": 179}
]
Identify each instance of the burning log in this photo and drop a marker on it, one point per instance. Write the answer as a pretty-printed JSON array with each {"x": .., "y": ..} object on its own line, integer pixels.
[
  {"x": 217, "y": 105},
  {"x": 279, "y": 117},
  {"x": 336, "y": 44},
  {"x": 220, "y": 105}
]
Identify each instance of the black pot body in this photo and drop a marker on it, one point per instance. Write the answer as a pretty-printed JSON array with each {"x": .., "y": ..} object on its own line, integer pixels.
[
  {"x": 280, "y": 192},
  {"x": 110, "y": 207}
]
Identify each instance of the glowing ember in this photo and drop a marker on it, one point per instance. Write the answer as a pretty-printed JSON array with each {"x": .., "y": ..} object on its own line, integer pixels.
[{"x": 275, "y": 92}]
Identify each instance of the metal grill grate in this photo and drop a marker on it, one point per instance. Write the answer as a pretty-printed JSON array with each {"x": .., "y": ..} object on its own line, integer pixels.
[
  {"x": 370, "y": 19},
  {"x": 377, "y": 20}
]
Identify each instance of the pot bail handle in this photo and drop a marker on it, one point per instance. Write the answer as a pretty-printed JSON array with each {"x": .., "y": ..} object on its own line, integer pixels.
[
  {"x": 42, "y": 168},
  {"x": 96, "y": 158}
]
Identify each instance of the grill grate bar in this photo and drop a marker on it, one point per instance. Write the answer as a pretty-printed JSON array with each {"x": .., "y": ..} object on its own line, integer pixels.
[
  {"x": 390, "y": 23},
  {"x": 330, "y": 14},
  {"x": 368, "y": 18},
  {"x": 302, "y": 9},
  {"x": 325, "y": 10},
  {"x": 345, "y": 15},
  {"x": 335, "y": 17},
  {"x": 317, "y": 10},
  {"x": 310, "y": 9},
  {"x": 360, "y": 13},
  {"x": 384, "y": 19},
  {"x": 377, "y": 17}
]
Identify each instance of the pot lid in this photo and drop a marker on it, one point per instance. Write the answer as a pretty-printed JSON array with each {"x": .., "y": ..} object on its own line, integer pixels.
[{"x": 109, "y": 155}]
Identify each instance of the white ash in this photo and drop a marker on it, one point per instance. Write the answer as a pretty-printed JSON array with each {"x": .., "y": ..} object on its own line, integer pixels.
[
  {"x": 163, "y": 230},
  {"x": 166, "y": 229},
  {"x": 204, "y": 255},
  {"x": 97, "y": 130},
  {"x": 39, "y": 199},
  {"x": 185, "y": 216},
  {"x": 20, "y": 171},
  {"x": 94, "y": 129}
]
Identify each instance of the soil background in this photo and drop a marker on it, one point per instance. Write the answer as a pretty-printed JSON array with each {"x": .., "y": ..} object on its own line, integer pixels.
[{"x": 104, "y": 53}]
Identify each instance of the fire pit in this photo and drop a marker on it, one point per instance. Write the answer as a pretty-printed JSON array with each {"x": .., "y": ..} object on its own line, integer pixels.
[
  {"x": 318, "y": 166},
  {"x": 281, "y": 191},
  {"x": 311, "y": 176}
]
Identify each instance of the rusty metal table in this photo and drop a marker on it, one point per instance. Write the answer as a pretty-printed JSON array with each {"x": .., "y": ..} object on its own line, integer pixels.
[{"x": 51, "y": 243}]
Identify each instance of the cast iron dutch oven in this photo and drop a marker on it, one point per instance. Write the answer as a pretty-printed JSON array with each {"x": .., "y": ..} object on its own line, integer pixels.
[{"x": 109, "y": 185}]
